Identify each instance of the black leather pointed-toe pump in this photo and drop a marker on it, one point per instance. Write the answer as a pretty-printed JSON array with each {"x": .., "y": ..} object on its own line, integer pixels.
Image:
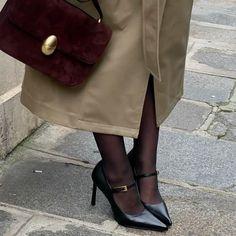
[
  {"x": 143, "y": 220},
  {"x": 159, "y": 209}
]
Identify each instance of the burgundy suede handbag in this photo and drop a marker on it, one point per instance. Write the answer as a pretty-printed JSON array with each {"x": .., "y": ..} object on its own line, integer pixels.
[{"x": 54, "y": 37}]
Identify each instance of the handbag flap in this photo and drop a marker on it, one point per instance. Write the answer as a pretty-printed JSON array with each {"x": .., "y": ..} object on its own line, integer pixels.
[{"x": 79, "y": 35}]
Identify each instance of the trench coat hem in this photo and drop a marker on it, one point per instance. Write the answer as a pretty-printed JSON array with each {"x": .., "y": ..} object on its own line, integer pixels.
[{"x": 54, "y": 116}]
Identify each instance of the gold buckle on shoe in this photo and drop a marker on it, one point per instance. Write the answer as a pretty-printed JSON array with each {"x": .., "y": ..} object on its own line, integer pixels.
[{"x": 123, "y": 188}]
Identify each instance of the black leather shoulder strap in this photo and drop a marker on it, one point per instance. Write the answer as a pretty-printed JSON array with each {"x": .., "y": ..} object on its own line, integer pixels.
[{"x": 97, "y": 6}]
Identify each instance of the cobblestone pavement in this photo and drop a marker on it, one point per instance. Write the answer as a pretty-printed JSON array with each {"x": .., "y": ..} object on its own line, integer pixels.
[{"x": 197, "y": 174}]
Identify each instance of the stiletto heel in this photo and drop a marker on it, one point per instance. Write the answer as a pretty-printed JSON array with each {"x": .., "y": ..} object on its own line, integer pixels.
[
  {"x": 143, "y": 220},
  {"x": 93, "y": 200},
  {"x": 159, "y": 209}
]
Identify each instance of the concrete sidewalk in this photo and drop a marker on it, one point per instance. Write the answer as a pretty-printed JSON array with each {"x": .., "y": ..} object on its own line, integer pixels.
[{"x": 45, "y": 183}]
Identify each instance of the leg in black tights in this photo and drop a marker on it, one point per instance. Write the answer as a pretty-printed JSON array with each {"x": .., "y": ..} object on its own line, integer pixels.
[
  {"x": 118, "y": 171},
  {"x": 116, "y": 165},
  {"x": 145, "y": 147}
]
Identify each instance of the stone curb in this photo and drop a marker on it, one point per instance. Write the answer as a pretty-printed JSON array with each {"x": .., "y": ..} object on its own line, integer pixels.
[{"x": 106, "y": 227}]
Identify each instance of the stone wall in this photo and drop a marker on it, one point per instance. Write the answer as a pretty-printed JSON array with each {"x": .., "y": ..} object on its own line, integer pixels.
[{"x": 16, "y": 122}]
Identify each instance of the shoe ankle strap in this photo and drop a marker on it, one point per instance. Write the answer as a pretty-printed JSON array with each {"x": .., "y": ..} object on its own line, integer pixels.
[
  {"x": 123, "y": 188},
  {"x": 147, "y": 175}
]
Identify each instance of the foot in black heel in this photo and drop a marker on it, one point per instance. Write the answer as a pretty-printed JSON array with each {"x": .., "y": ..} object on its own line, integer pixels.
[
  {"x": 143, "y": 220},
  {"x": 158, "y": 209}
]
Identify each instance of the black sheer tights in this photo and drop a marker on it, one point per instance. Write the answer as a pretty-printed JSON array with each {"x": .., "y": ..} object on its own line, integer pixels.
[
  {"x": 145, "y": 149},
  {"x": 116, "y": 165},
  {"x": 118, "y": 171}
]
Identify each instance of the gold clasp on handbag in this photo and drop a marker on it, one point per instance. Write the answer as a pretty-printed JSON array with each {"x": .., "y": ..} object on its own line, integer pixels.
[{"x": 49, "y": 45}]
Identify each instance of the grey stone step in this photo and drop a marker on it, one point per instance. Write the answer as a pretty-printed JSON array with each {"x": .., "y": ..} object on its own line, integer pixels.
[
  {"x": 215, "y": 11},
  {"x": 212, "y": 32},
  {"x": 188, "y": 115},
  {"x": 26, "y": 222},
  {"x": 180, "y": 155},
  {"x": 11, "y": 220},
  {"x": 65, "y": 190},
  {"x": 214, "y": 58},
  {"x": 210, "y": 89},
  {"x": 200, "y": 160},
  {"x": 16, "y": 122}
]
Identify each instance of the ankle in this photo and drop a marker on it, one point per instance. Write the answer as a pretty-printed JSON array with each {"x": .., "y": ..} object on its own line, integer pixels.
[
  {"x": 122, "y": 176},
  {"x": 142, "y": 167}
]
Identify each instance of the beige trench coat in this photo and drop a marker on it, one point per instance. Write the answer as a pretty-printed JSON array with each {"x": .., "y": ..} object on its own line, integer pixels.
[{"x": 149, "y": 36}]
